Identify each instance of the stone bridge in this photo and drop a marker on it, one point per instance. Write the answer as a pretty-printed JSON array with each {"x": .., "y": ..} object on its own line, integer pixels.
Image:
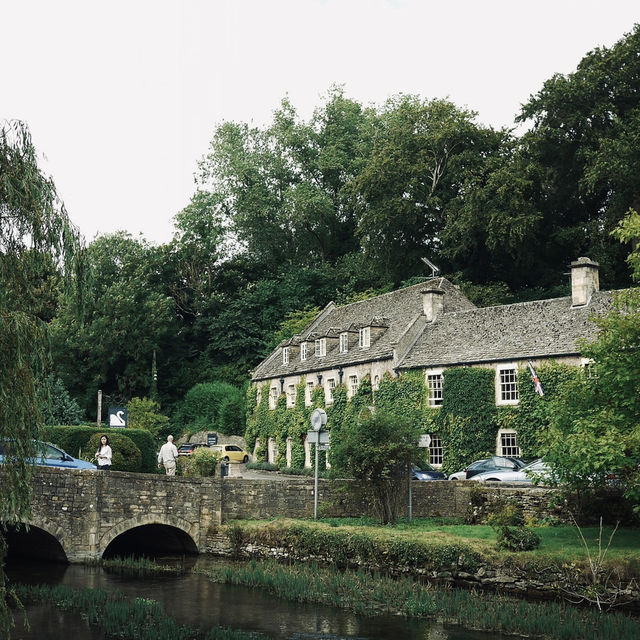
[{"x": 78, "y": 514}]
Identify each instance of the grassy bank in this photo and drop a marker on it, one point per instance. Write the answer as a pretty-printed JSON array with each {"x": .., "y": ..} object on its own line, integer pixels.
[{"x": 370, "y": 595}]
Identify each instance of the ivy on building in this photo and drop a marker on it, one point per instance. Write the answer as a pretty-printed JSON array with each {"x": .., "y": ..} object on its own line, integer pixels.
[{"x": 468, "y": 421}]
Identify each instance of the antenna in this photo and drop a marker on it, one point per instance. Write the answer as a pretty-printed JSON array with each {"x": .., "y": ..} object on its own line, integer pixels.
[{"x": 434, "y": 270}]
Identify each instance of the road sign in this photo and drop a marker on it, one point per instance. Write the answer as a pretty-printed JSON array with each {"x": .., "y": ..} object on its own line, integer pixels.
[
  {"x": 425, "y": 440},
  {"x": 212, "y": 438},
  {"x": 318, "y": 419},
  {"x": 318, "y": 437},
  {"x": 117, "y": 416}
]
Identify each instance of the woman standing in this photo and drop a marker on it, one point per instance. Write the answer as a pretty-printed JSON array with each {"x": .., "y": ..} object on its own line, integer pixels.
[{"x": 103, "y": 454}]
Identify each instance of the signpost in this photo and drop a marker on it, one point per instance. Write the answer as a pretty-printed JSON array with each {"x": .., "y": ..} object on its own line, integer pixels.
[
  {"x": 319, "y": 438},
  {"x": 212, "y": 438},
  {"x": 424, "y": 442}
]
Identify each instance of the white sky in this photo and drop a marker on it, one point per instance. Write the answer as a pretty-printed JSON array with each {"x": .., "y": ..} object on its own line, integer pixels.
[{"x": 123, "y": 96}]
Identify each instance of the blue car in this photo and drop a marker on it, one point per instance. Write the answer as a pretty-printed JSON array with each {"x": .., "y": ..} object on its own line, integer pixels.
[
  {"x": 48, "y": 455},
  {"x": 426, "y": 472}
]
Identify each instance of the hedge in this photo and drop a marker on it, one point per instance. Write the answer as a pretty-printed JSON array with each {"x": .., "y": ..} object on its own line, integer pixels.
[{"x": 74, "y": 440}]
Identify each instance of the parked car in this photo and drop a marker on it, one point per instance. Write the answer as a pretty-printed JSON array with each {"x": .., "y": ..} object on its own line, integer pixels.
[
  {"x": 531, "y": 471},
  {"x": 188, "y": 449},
  {"x": 488, "y": 464},
  {"x": 231, "y": 452},
  {"x": 426, "y": 472},
  {"x": 48, "y": 455}
]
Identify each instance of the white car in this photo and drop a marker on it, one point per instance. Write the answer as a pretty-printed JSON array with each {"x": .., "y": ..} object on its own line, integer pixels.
[{"x": 536, "y": 470}]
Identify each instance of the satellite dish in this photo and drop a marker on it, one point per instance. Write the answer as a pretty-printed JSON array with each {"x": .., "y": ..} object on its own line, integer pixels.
[{"x": 318, "y": 419}]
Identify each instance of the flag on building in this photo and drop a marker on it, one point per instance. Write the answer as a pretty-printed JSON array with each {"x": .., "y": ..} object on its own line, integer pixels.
[{"x": 536, "y": 381}]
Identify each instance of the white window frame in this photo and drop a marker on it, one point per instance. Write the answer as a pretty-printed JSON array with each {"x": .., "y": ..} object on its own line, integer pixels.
[
  {"x": 285, "y": 355},
  {"x": 353, "y": 385},
  {"x": 436, "y": 451},
  {"x": 376, "y": 383},
  {"x": 291, "y": 395},
  {"x": 303, "y": 351},
  {"x": 273, "y": 397},
  {"x": 507, "y": 384},
  {"x": 344, "y": 342},
  {"x": 308, "y": 392},
  {"x": 364, "y": 337},
  {"x": 588, "y": 370},
  {"x": 434, "y": 393},
  {"x": 331, "y": 385},
  {"x": 507, "y": 443},
  {"x": 258, "y": 395},
  {"x": 321, "y": 347}
]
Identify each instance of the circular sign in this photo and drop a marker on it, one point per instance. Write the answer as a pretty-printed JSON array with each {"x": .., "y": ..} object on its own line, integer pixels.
[{"x": 318, "y": 419}]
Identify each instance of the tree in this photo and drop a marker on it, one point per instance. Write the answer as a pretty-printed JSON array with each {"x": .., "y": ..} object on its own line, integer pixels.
[
  {"x": 376, "y": 448},
  {"x": 595, "y": 427},
  {"x": 144, "y": 413},
  {"x": 35, "y": 233}
]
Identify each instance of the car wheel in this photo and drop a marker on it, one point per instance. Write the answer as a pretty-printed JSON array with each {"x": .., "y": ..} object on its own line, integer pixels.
[
  {"x": 245, "y": 459},
  {"x": 493, "y": 480}
]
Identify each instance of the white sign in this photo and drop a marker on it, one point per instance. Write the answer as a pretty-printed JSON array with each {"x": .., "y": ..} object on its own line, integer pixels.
[{"x": 425, "y": 440}]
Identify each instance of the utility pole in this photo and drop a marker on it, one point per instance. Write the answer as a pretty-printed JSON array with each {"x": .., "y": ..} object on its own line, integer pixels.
[{"x": 99, "y": 421}]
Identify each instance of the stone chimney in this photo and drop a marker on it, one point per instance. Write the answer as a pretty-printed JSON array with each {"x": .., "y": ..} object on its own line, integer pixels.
[
  {"x": 584, "y": 281},
  {"x": 432, "y": 303}
]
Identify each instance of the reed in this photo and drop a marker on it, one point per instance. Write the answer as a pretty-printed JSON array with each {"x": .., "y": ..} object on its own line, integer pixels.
[{"x": 368, "y": 594}]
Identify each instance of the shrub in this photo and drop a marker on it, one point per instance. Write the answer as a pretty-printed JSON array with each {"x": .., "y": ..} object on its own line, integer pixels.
[
  {"x": 213, "y": 405},
  {"x": 144, "y": 413},
  {"x": 57, "y": 406},
  {"x": 201, "y": 463},
  {"x": 517, "y": 538},
  {"x": 263, "y": 466},
  {"x": 506, "y": 515},
  {"x": 126, "y": 455}
]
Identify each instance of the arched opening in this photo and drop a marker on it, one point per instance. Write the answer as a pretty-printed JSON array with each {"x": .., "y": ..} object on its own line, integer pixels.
[
  {"x": 33, "y": 544},
  {"x": 151, "y": 540}
]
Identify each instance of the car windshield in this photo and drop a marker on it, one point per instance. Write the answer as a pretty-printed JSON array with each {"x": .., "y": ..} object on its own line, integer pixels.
[
  {"x": 423, "y": 466},
  {"x": 532, "y": 466}
]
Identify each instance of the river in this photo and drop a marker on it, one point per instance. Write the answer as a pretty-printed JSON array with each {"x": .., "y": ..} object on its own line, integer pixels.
[{"x": 192, "y": 599}]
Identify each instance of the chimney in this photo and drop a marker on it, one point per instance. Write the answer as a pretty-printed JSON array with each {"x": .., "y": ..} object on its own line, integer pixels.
[
  {"x": 584, "y": 281},
  {"x": 432, "y": 303}
]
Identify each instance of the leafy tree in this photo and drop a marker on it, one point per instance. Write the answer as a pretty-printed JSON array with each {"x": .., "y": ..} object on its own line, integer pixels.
[
  {"x": 57, "y": 406},
  {"x": 143, "y": 413},
  {"x": 595, "y": 429},
  {"x": 35, "y": 234},
  {"x": 376, "y": 449},
  {"x": 213, "y": 406}
]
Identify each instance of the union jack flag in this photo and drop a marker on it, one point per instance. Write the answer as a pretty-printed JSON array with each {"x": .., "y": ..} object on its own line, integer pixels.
[{"x": 536, "y": 381}]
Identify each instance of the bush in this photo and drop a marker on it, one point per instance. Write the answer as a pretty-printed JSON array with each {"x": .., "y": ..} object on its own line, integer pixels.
[
  {"x": 201, "y": 463},
  {"x": 517, "y": 538},
  {"x": 213, "y": 405},
  {"x": 57, "y": 406},
  {"x": 74, "y": 441},
  {"x": 263, "y": 466},
  {"x": 126, "y": 455},
  {"x": 144, "y": 413},
  {"x": 506, "y": 515}
]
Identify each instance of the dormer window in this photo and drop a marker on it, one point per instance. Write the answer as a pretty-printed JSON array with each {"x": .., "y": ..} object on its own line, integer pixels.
[
  {"x": 364, "y": 340},
  {"x": 321, "y": 347},
  {"x": 285, "y": 355},
  {"x": 303, "y": 351},
  {"x": 344, "y": 342}
]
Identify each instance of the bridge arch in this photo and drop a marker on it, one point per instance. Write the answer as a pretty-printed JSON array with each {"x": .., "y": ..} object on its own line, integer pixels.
[
  {"x": 43, "y": 540},
  {"x": 151, "y": 533}
]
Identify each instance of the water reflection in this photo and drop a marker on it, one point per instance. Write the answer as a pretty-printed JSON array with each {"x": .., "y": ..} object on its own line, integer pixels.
[{"x": 194, "y": 600}]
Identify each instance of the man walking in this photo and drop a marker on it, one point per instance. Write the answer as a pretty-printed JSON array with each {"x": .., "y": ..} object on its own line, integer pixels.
[{"x": 167, "y": 456}]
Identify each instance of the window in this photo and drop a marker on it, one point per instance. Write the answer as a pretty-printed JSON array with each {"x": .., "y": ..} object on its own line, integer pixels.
[
  {"x": 435, "y": 451},
  {"x": 364, "y": 339},
  {"x": 303, "y": 351},
  {"x": 309, "y": 391},
  {"x": 434, "y": 387},
  {"x": 258, "y": 395},
  {"x": 353, "y": 385},
  {"x": 291, "y": 395},
  {"x": 376, "y": 383},
  {"x": 331, "y": 385},
  {"x": 273, "y": 397},
  {"x": 285, "y": 355},
  {"x": 321, "y": 347},
  {"x": 508, "y": 444},
  {"x": 508, "y": 385},
  {"x": 588, "y": 369},
  {"x": 344, "y": 342}
]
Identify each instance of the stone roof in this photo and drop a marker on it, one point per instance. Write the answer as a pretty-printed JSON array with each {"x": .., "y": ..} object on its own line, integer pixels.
[
  {"x": 397, "y": 310},
  {"x": 543, "y": 328}
]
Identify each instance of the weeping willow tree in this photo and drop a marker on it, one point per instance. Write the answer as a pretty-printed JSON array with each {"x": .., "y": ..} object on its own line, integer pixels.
[{"x": 35, "y": 233}]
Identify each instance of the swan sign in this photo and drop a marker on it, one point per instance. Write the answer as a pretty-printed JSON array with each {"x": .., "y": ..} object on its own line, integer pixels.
[{"x": 117, "y": 416}]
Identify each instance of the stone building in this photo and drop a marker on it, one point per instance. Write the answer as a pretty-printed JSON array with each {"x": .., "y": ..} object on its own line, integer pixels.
[{"x": 432, "y": 326}]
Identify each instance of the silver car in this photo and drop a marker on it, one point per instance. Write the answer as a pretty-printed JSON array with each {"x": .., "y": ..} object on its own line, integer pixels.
[{"x": 536, "y": 470}]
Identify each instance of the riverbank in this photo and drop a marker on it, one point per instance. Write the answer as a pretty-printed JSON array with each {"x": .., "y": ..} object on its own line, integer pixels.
[{"x": 451, "y": 555}]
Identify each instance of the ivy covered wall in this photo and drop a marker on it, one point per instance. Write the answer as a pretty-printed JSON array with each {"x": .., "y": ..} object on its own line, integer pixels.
[{"x": 468, "y": 421}]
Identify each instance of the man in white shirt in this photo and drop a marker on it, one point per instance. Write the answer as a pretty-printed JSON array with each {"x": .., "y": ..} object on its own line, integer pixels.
[{"x": 167, "y": 456}]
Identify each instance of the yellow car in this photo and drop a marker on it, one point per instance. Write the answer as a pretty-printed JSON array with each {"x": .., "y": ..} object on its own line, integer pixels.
[{"x": 230, "y": 452}]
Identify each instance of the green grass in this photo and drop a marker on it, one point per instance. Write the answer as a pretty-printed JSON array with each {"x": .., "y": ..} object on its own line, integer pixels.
[{"x": 368, "y": 594}]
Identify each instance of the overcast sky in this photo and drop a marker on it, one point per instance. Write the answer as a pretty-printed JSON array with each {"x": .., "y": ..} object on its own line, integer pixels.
[{"x": 122, "y": 97}]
